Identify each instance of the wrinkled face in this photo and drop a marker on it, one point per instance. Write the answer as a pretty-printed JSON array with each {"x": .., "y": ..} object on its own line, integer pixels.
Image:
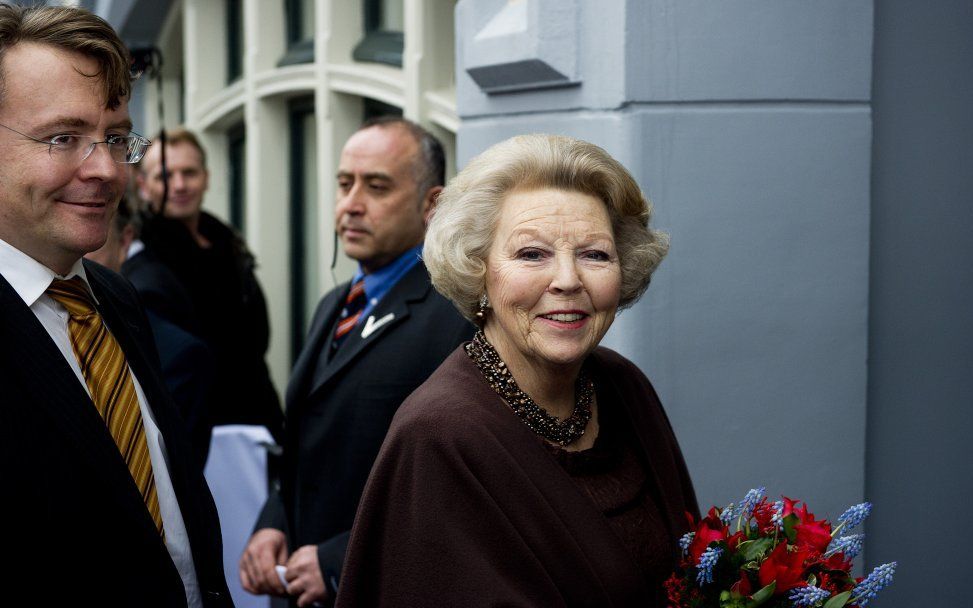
[
  {"x": 53, "y": 209},
  {"x": 188, "y": 180},
  {"x": 379, "y": 211},
  {"x": 553, "y": 279}
]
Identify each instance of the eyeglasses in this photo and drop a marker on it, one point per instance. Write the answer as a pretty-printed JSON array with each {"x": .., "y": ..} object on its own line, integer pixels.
[{"x": 126, "y": 149}]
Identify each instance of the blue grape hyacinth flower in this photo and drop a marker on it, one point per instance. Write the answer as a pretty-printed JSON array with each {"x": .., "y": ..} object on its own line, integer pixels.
[
  {"x": 750, "y": 501},
  {"x": 745, "y": 508},
  {"x": 808, "y": 596},
  {"x": 854, "y": 515},
  {"x": 685, "y": 541},
  {"x": 880, "y": 578},
  {"x": 728, "y": 513},
  {"x": 851, "y": 545},
  {"x": 778, "y": 517},
  {"x": 704, "y": 569}
]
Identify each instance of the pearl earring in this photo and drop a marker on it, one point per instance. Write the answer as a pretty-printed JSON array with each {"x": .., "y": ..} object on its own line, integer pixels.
[{"x": 484, "y": 303}]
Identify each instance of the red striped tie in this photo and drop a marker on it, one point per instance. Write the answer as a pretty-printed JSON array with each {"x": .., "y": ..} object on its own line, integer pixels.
[{"x": 354, "y": 306}]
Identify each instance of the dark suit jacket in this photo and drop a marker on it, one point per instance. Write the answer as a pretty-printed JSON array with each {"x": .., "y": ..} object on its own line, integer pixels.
[
  {"x": 76, "y": 529},
  {"x": 230, "y": 308},
  {"x": 160, "y": 291},
  {"x": 187, "y": 370},
  {"x": 337, "y": 415}
]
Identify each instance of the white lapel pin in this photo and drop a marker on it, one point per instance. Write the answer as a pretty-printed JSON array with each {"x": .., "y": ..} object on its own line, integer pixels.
[{"x": 371, "y": 325}]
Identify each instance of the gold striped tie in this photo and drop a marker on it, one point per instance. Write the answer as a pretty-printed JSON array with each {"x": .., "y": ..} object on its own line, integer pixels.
[{"x": 108, "y": 378}]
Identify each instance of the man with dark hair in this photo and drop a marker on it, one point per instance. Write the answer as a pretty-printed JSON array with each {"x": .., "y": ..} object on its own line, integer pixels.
[
  {"x": 103, "y": 502},
  {"x": 371, "y": 343},
  {"x": 214, "y": 266}
]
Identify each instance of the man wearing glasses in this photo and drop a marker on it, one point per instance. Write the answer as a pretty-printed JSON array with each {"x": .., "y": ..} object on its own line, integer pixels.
[{"x": 102, "y": 503}]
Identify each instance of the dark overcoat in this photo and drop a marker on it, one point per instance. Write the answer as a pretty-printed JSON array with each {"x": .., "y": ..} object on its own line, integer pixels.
[{"x": 467, "y": 507}]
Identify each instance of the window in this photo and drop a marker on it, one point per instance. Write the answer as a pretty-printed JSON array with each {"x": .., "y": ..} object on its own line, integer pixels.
[
  {"x": 305, "y": 226},
  {"x": 373, "y": 108},
  {"x": 234, "y": 40},
  {"x": 383, "y": 41},
  {"x": 300, "y": 32},
  {"x": 391, "y": 17},
  {"x": 237, "y": 148}
]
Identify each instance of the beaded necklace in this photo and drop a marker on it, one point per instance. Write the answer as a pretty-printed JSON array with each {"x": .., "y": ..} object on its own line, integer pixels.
[{"x": 534, "y": 416}]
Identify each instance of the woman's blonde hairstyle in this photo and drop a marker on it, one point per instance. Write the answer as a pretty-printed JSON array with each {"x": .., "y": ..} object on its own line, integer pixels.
[{"x": 462, "y": 228}]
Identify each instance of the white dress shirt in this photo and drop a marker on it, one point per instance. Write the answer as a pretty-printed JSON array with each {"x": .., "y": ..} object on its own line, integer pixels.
[{"x": 30, "y": 279}]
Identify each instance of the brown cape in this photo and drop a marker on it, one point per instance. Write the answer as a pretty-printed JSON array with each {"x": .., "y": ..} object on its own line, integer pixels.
[{"x": 466, "y": 507}]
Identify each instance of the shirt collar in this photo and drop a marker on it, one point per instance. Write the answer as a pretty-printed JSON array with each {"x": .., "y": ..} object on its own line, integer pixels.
[
  {"x": 29, "y": 278},
  {"x": 378, "y": 283}
]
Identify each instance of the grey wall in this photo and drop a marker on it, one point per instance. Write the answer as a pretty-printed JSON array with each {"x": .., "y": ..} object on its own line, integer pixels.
[
  {"x": 920, "y": 409},
  {"x": 749, "y": 124}
]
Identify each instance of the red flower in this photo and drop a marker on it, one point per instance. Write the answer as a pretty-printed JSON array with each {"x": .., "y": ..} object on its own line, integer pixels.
[
  {"x": 743, "y": 586},
  {"x": 734, "y": 541},
  {"x": 834, "y": 583},
  {"x": 789, "y": 507},
  {"x": 787, "y": 568},
  {"x": 763, "y": 514},
  {"x": 676, "y": 590},
  {"x": 710, "y": 529},
  {"x": 837, "y": 562},
  {"x": 813, "y": 535}
]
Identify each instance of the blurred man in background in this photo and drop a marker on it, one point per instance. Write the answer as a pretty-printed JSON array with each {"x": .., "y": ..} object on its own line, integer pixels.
[{"x": 215, "y": 268}]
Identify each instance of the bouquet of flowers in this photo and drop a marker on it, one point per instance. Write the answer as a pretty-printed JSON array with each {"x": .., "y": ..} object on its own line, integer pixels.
[{"x": 777, "y": 556}]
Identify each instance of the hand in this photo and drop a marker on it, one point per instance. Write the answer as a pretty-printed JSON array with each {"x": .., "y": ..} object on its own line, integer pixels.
[
  {"x": 266, "y": 548},
  {"x": 304, "y": 579}
]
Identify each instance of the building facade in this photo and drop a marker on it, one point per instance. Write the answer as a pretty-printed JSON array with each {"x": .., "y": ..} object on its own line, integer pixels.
[
  {"x": 789, "y": 148},
  {"x": 274, "y": 89}
]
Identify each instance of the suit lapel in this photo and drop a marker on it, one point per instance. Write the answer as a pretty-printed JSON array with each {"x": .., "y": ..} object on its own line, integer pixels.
[
  {"x": 411, "y": 288},
  {"x": 30, "y": 354},
  {"x": 319, "y": 340},
  {"x": 118, "y": 315}
]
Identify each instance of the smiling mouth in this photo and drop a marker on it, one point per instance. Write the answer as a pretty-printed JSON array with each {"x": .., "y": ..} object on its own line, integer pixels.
[
  {"x": 84, "y": 204},
  {"x": 564, "y": 317}
]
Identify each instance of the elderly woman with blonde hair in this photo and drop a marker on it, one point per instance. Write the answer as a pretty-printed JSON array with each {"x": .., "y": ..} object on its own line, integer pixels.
[{"x": 534, "y": 467}]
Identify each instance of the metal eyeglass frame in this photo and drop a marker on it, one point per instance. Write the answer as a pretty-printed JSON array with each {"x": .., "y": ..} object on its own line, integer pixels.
[{"x": 138, "y": 140}]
